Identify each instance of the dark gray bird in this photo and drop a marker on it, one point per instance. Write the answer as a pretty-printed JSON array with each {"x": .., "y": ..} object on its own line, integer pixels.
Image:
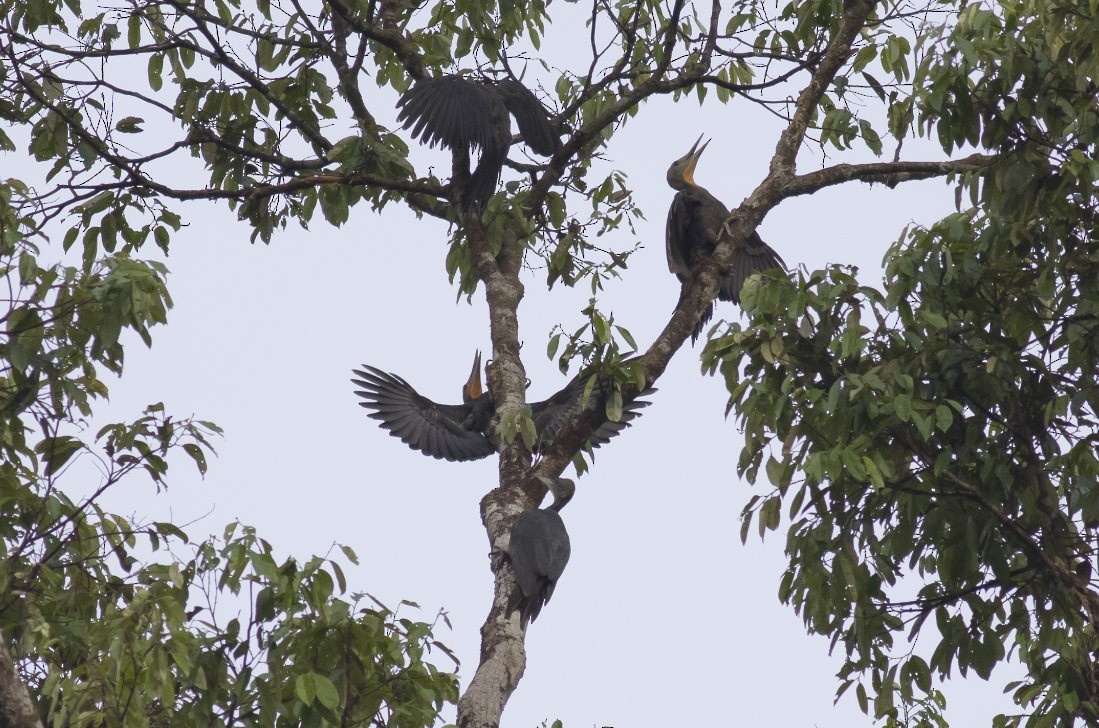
[
  {"x": 463, "y": 114},
  {"x": 456, "y": 432},
  {"x": 539, "y": 550},
  {"x": 694, "y": 226}
]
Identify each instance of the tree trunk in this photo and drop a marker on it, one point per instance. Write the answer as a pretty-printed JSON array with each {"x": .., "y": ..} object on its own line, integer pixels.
[{"x": 17, "y": 709}]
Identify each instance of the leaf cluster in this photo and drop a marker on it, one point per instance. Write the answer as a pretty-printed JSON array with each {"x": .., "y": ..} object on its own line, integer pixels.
[
  {"x": 940, "y": 433},
  {"x": 108, "y": 624}
]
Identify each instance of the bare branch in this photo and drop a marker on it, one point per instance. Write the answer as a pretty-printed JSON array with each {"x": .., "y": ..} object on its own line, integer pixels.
[
  {"x": 348, "y": 76},
  {"x": 417, "y": 187},
  {"x": 391, "y": 38},
  {"x": 888, "y": 173},
  {"x": 218, "y": 53},
  {"x": 712, "y": 35},
  {"x": 855, "y": 13}
]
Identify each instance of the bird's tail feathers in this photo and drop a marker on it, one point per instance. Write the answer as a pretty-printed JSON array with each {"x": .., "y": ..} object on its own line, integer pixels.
[
  {"x": 531, "y": 608},
  {"x": 707, "y": 314},
  {"x": 482, "y": 183}
]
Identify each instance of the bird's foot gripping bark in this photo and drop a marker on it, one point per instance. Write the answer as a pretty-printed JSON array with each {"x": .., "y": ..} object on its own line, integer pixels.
[
  {"x": 727, "y": 228},
  {"x": 498, "y": 557}
]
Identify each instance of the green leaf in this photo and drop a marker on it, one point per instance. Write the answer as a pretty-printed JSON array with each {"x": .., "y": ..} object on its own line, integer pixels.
[
  {"x": 527, "y": 429},
  {"x": 601, "y": 328},
  {"x": 770, "y": 515},
  {"x": 775, "y": 470},
  {"x": 627, "y": 337},
  {"x": 326, "y": 692},
  {"x": 350, "y": 554},
  {"x": 130, "y": 125},
  {"x": 57, "y": 451},
  {"x": 614, "y": 406},
  {"x": 156, "y": 70},
  {"x": 873, "y": 141},
  {"x": 934, "y": 319},
  {"x": 197, "y": 455},
  {"x": 872, "y": 471},
  {"x": 133, "y": 25},
  {"x": 902, "y": 404},
  {"x": 551, "y": 348},
  {"x": 556, "y": 205},
  {"x": 944, "y": 418},
  {"x": 305, "y": 687}
]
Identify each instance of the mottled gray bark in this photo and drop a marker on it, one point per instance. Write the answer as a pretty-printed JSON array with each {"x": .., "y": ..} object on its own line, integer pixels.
[
  {"x": 17, "y": 709},
  {"x": 503, "y": 654}
]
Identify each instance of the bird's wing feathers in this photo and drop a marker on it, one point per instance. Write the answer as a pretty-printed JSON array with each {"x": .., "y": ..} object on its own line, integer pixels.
[
  {"x": 531, "y": 117},
  {"x": 451, "y": 111},
  {"x": 677, "y": 236},
  {"x": 630, "y": 412},
  {"x": 552, "y": 414},
  {"x": 463, "y": 115},
  {"x": 755, "y": 257},
  {"x": 694, "y": 226},
  {"x": 434, "y": 429},
  {"x": 539, "y": 551},
  {"x": 523, "y": 549}
]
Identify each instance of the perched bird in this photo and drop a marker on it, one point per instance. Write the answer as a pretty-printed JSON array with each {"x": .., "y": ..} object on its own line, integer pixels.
[
  {"x": 463, "y": 114},
  {"x": 694, "y": 226},
  {"x": 539, "y": 550},
  {"x": 456, "y": 432}
]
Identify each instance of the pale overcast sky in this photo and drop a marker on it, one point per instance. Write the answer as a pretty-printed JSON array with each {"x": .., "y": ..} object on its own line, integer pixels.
[{"x": 662, "y": 617}]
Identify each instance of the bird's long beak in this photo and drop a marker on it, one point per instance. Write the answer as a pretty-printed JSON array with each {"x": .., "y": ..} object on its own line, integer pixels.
[
  {"x": 562, "y": 488},
  {"x": 693, "y": 157},
  {"x": 473, "y": 384}
]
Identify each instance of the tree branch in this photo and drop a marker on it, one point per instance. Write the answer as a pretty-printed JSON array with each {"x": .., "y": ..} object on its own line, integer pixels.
[
  {"x": 699, "y": 292},
  {"x": 1056, "y": 570},
  {"x": 855, "y": 13},
  {"x": 888, "y": 173},
  {"x": 217, "y": 53},
  {"x": 390, "y": 38},
  {"x": 348, "y": 77},
  {"x": 503, "y": 655},
  {"x": 412, "y": 187}
]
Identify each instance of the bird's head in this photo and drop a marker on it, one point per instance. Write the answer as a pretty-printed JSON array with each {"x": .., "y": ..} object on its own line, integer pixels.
[
  {"x": 563, "y": 490},
  {"x": 681, "y": 173},
  {"x": 472, "y": 389}
]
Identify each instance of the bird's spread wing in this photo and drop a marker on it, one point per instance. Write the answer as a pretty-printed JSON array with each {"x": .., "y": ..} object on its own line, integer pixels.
[
  {"x": 755, "y": 257},
  {"x": 552, "y": 414},
  {"x": 451, "y": 111},
  {"x": 630, "y": 412},
  {"x": 434, "y": 429},
  {"x": 531, "y": 116}
]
